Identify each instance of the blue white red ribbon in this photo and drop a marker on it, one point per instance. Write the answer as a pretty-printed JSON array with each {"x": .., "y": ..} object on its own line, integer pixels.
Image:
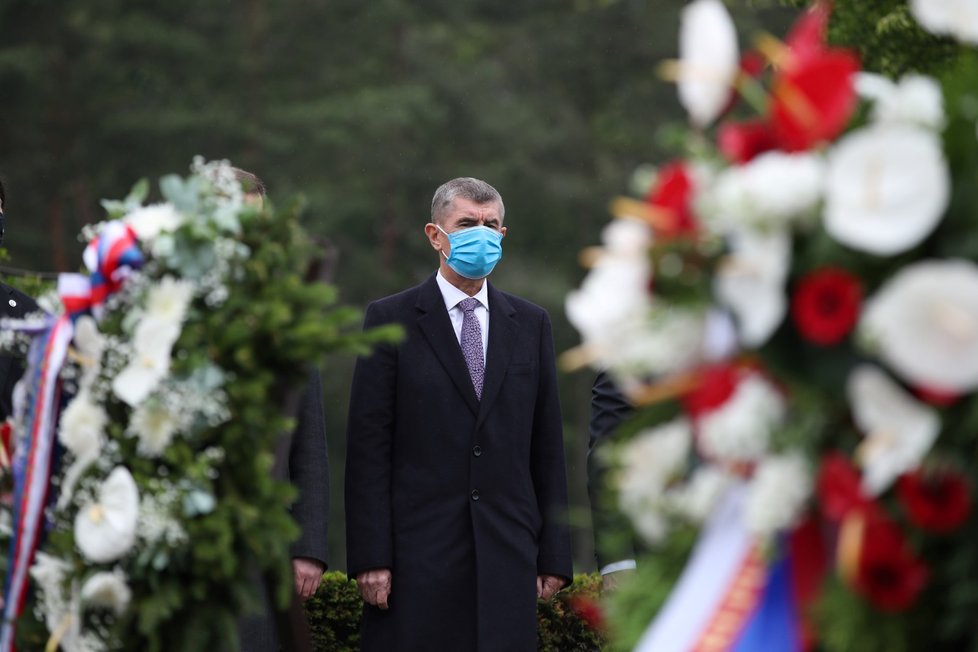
[
  {"x": 110, "y": 259},
  {"x": 33, "y": 458}
]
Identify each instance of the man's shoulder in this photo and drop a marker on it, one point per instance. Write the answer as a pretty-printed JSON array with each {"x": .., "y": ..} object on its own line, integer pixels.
[
  {"x": 406, "y": 297},
  {"x": 521, "y": 305},
  {"x": 14, "y": 303}
]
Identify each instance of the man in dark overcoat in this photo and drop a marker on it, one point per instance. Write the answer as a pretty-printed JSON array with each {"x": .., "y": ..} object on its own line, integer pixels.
[
  {"x": 456, "y": 486},
  {"x": 14, "y": 304}
]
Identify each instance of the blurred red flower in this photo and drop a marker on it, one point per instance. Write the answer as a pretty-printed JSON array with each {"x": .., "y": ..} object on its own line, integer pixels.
[
  {"x": 838, "y": 487},
  {"x": 740, "y": 142},
  {"x": 935, "y": 500},
  {"x": 888, "y": 572},
  {"x": 589, "y": 611},
  {"x": 826, "y": 305},
  {"x": 673, "y": 192},
  {"x": 716, "y": 385}
]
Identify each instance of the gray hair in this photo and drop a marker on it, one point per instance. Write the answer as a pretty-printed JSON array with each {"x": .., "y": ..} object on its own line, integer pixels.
[{"x": 467, "y": 188}]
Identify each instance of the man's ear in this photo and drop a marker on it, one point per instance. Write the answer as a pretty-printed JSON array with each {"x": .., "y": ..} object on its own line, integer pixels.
[
  {"x": 503, "y": 231},
  {"x": 432, "y": 232}
]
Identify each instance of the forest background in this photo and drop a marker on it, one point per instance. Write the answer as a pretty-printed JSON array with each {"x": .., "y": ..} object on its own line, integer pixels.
[{"x": 363, "y": 108}]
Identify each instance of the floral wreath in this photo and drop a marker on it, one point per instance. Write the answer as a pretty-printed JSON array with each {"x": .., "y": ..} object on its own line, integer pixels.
[{"x": 144, "y": 438}]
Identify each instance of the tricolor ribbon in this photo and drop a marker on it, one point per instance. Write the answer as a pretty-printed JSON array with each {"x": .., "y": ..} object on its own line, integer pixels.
[{"x": 110, "y": 259}]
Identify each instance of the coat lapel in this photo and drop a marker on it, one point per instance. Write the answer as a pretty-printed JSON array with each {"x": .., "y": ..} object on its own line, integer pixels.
[
  {"x": 503, "y": 333},
  {"x": 434, "y": 322}
]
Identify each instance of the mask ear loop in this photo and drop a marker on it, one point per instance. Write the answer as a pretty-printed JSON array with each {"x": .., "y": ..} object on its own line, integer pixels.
[{"x": 436, "y": 226}]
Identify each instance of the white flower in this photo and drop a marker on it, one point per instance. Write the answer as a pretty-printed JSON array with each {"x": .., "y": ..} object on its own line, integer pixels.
[
  {"x": 89, "y": 343},
  {"x": 924, "y": 323},
  {"x": 898, "y": 429},
  {"x": 957, "y": 18},
  {"x": 154, "y": 425},
  {"x": 740, "y": 429},
  {"x": 695, "y": 500},
  {"x": 651, "y": 459},
  {"x": 664, "y": 340},
  {"x": 773, "y": 191},
  {"x": 916, "y": 99},
  {"x": 778, "y": 491},
  {"x": 750, "y": 282},
  {"x": 105, "y": 530},
  {"x": 108, "y": 590},
  {"x": 167, "y": 301},
  {"x": 82, "y": 428},
  {"x": 149, "y": 221},
  {"x": 888, "y": 186},
  {"x": 709, "y": 59},
  {"x": 150, "y": 362}
]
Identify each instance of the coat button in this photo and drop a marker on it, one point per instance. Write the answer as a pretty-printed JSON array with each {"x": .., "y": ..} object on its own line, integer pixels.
[
  {"x": 475, "y": 494},
  {"x": 477, "y": 450}
]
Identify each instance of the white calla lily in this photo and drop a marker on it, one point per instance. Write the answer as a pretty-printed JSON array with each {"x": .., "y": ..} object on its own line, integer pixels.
[
  {"x": 898, "y": 430},
  {"x": 709, "y": 60},
  {"x": 888, "y": 186},
  {"x": 105, "y": 529},
  {"x": 750, "y": 282},
  {"x": 924, "y": 324}
]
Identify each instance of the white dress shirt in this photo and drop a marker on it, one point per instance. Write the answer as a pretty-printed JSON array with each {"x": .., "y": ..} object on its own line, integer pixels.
[{"x": 452, "y": 296}]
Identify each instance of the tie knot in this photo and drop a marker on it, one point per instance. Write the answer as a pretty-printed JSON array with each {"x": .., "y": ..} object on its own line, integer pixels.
[{"x": 468, "y": 305}]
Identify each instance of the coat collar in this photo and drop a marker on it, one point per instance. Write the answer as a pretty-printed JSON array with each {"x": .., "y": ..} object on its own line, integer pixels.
[{"x": 434, "y": 322}]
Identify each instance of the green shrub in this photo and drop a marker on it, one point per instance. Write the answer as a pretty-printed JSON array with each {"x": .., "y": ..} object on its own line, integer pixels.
[{"x": 334, "y": 616}]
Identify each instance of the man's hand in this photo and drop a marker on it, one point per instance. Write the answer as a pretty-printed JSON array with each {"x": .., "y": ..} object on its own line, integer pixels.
[
  {"x": 308, "y": 574},
  {"x": 611, "y": 581},
  {"x": 548, "y": 585},
  {"x": 375, "y": 586}
]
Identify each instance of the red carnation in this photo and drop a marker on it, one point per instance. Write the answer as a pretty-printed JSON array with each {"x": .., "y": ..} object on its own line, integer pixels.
[
  {"x": 826, "y": 305},
  {"x": 938, "y": 501},
  {"x": 589, "y": 611},
  {"x": 742, "y": 141},
  {"x": 888, "y": 572},
  {"x": 813, "y": 98},
  {"x": 673, "y": 192},
  {"x": 715, "y": 386},
  {"x": 839, "y": 487}
]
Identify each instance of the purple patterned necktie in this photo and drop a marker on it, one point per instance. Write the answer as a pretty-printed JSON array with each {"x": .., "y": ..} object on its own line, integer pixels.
[{"x": 471, "y": 341}]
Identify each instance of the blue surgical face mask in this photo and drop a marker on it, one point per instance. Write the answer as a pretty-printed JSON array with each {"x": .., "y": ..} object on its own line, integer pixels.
[{"x": 475, "y": 251}]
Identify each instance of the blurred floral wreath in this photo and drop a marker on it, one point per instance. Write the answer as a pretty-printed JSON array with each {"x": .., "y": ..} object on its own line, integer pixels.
[
  {"x": 793, "y": 306},
  {"x": 183, "y": 347}
]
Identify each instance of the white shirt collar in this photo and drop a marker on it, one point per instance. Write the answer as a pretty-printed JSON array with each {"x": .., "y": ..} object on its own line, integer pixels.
[{"x": 452, "y": 295}]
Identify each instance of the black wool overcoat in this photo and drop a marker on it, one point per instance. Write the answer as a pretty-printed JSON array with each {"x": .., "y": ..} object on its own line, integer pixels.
[
  {"x": 464, "y": 500},
  {"x": 14, "y": 304}
]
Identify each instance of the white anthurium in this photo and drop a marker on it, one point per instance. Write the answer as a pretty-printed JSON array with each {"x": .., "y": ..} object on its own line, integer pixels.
[
  {"x": 105, "y": 529},
  {"x": 777, "y": 493},
  {"x": 888, "y": 187},
  {"x": 914, "y": 99},
  {"x": 154, "y": 425},
  {"x": 773, "y": 191},
  {"x": 750, "y": 282},
  {"x": 956, "y": 18},
  {"x": 81, "y": 431},
  {"x": 923, "y": 323},
  {"x": 150, "y": 361},
  {"x": 168, "y": 300},
  {"x": 740, "y": 429},
  {"x": 709, "y": 60},
  {"x": 108, "y": 590},
  {"x": 898, "y": 430},
  {"x": 149, "y": 221},
  {"x": 650, "y": 460}
]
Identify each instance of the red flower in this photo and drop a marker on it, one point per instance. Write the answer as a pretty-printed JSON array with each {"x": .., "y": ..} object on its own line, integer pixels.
[
  {"x": 839, "y": 487},
  {"x": 888, "y": 573},
  {"x": 937, "y": 396},
  {"x": 807, "y": 37},
  {"x": 7, "y": 441},
  {"x": 673, "y": 192},
  {"x": 939, "y": 501},
  {"x": 813, "y": 98},
  {"x": 589, "y": 611},
  {"x": 826, "y": 305},
  {"x": 716, "y": 385},
  {"x": 742, "y": 141}
]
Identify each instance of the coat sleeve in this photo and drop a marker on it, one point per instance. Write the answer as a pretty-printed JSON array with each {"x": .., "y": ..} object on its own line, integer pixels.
[
  {"x": 309, "y": 472},
  {"x": 549, "y": 467},
  {"x": 370, "y": 430},
  {"x": 612, "y": 533}
]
